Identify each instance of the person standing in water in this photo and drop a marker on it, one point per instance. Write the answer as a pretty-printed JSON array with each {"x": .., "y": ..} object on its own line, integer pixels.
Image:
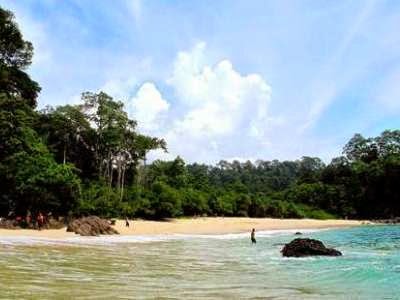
[{"x": 253, "y": 236}]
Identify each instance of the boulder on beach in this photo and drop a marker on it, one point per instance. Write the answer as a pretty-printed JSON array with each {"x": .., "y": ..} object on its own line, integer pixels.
[
  {"x": 307, "y": 247},
  {"x": 394, "y": 220},
  {"x": 8, "y": 224},
  {"x": 91, "y": 226}
]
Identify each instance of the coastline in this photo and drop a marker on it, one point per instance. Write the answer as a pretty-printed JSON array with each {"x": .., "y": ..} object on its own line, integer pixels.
[{"x": 206, "y": 225}]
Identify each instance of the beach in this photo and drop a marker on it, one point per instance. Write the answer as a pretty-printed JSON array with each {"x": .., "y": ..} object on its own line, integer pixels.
[{"x": 206, "y": 225}]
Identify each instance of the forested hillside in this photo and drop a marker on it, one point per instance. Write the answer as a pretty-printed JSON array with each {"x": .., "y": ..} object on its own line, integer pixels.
[{"x": 91, "y": 159}]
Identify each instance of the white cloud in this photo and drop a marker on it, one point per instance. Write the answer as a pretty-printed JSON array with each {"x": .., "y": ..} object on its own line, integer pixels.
[
  {"x": 217, "y": 105},
  {"x": 118, "y": 88},
  {"x": 147, "y": 107},
  {"x": 219, "y": 98}
]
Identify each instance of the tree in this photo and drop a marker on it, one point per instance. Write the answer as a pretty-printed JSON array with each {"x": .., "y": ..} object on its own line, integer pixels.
[
  {"x": 194, "y": 202},
  {"x": 198, "y": 176},
  {"x": 360, "y": 148},
  {"x": 388, "y": 143},
  {"x": 166, "y": 201},
  {"x": 43, "y": 185},
  {"x": 31, "y": 179},
  {"x": 174, "y": 173},
  {"x": 15, "y": 56},
  {"x": 69, "y": 137},
  {"x": 118, "y": 148},
  {"x": 310, "y": 169}
]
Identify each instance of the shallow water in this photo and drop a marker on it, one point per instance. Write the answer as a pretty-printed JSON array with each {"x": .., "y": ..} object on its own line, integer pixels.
[{"x": 202, "y": 267}]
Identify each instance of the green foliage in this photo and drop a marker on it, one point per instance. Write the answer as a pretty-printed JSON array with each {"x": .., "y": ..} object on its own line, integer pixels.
[
  {"x": 194, "y": 202},
  {"x": 174, "y": 173},
  {"x": 314, "y": 213},
  {"x": 31, "y": 178},
  {"x": 14, "y": 50},
  {"x": 225, "y": 204},
  {"x": 43, "y": 185},
  {"x": 69, "y": 136},
  {"x": 97, "y": 199},
  {"x": 166, "y": 202},
  {"x": 15, "y": 55}
]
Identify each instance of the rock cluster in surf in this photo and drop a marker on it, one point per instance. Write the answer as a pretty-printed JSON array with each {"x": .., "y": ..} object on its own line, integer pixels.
[
  {"x": 307, "y": 247},
  {"x": 91, "y": 226}
]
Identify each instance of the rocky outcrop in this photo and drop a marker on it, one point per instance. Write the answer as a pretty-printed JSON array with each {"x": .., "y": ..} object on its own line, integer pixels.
[
  {"x": 8, "y": 224},
  {"x": 307, "y": 247},
  {"x": 91, "y": 226},
  {"x": 391, "y": 221}
]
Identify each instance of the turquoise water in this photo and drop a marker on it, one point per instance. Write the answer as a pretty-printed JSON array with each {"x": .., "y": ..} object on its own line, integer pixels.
[{"x": 202, "y": 267}]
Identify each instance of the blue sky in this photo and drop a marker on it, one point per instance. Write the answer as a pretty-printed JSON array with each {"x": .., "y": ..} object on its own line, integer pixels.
[{"x": 226, "y": 79}]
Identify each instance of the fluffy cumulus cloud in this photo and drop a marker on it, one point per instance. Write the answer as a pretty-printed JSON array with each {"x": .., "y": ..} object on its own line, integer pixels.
[
  {"x": 148, "y": 107},
  {"x": 220, "y": 100},
  {"x": 214, "y": 105},
  {"x": 118, "y": 88}
]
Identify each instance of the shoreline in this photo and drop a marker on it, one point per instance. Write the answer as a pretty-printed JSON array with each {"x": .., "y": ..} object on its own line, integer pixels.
[{"x": 195, "y": 226}]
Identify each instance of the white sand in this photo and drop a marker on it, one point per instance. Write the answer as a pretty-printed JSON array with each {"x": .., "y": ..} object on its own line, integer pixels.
[{"x": 209, "y": 225}]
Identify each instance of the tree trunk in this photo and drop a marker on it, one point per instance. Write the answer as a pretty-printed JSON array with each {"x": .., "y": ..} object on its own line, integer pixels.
[
  {"x": 144, "y": 171},
  {"x": 122, "y": 183},
  {"x": 119, "y": 174},
  {"x": 65, "y": 153}
]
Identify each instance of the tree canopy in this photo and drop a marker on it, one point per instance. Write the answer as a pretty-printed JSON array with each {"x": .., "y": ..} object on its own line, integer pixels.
[{"x": 15, "y": 55}]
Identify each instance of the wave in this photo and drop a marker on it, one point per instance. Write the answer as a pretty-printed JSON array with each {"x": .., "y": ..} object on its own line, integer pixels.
[{"x": 117, "y": 239}]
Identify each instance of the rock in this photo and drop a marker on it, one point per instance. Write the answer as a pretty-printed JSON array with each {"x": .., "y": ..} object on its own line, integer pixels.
[
  {"x": 394, "y": 221},
  {"x": 307, "y": 247},
  {"x": 53, "y": 223},
  {"x": 91, "y": 226},
  {"x": 298, "y": 233},
  {"x": 9, "y": 224}
]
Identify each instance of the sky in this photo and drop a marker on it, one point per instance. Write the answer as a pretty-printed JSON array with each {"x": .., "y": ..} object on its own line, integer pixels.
[{"x": 229, "y": 80}]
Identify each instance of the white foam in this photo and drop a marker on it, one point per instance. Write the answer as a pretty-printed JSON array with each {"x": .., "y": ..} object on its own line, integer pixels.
[
  {"x": 117, "y": 239},
  {"x": 80, "y": 240},
  {"x": 232, "y": 236}
]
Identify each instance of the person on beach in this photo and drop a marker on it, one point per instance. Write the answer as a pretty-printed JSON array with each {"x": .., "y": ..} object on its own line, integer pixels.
[
  {"x": 253, "y": 236},
  {"x": 28, "y": 218},
  {"x": 18, "y": 219},
  {"x": 40, "y": 221},
  {"x": 126, "y": 222}
]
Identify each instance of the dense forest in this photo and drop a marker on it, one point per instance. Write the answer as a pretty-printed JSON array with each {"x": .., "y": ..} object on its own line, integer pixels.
[{"x": 90, "y": 159}]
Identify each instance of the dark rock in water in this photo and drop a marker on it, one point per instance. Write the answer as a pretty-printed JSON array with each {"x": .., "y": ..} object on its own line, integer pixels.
[
  {"x": 307, "y": 247},
  {"x": 91, "y": 226},
  {"x": 298, "y": 233}
]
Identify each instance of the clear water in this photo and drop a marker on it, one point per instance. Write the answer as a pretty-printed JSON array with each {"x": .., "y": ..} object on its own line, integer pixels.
[{"x": 202, "y": 267}]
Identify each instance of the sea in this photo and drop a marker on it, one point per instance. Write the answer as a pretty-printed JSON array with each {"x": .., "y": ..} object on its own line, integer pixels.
[{"x": 224, "y": 266}]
